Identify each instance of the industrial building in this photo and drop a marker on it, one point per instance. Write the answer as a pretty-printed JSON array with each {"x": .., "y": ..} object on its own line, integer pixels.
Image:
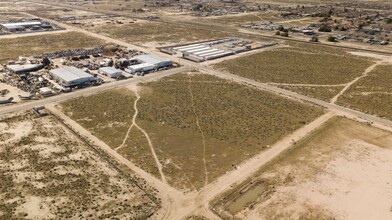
[
  {"x": 21, "y": 26},
  {"x": 156, "y": 61},
  {"x": 214, "y": 49},
  {"x": 143, "y": 67},
  {"x": 110, "y": 72},
  {"x": 70, "y": 76},
  {"x": 18, "y": 68}
]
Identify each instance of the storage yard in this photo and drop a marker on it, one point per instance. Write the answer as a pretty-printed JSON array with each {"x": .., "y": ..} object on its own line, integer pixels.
[
  {"x": 209, "y": 50},
  {"x": 50, "y": 74}
]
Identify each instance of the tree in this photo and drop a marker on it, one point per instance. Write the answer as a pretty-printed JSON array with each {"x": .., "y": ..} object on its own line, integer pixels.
[{"x": 325, "y": 28}]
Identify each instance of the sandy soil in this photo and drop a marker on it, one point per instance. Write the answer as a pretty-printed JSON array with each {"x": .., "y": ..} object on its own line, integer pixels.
[
  {"x": 46, "y": 172},
  {"x": 354, "y": 182}
]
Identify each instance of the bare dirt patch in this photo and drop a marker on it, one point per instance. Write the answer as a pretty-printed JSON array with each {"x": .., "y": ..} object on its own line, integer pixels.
[{"x": 322, "y": 175}]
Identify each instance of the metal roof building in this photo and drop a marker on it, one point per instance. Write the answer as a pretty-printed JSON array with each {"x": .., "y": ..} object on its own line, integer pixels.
[
  {"x": 25, "y": 68},
  {"x": 110, "y": 72},
  {"x": 71, "y": 76},
  {"x": 24, "y": 24},
  {"x": 143, "y": 67},
  {"x": 157, "y": 61}
]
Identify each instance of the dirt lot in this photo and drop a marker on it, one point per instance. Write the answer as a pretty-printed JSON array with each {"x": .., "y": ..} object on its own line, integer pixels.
[
  {"x": 372, "y": 94},
  {"x": 47, "y": 172},
  {"x": 299, "y": 64},
  {"x": 34, "y": 45},
  {"x": 200, "y": 126},
  {"x": 321, "y": 176}
]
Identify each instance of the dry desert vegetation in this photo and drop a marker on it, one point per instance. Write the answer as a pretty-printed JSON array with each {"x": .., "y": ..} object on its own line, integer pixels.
[
  {"x": 200, "y": 126},
  {"x": 46, "y": 172}
]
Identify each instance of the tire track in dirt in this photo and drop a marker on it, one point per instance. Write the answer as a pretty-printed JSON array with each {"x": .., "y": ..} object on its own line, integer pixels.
[
  {"x": 348, "y": 85},
  {"x": 134, "y": 124},
  {"x": 199, "y": 127}
]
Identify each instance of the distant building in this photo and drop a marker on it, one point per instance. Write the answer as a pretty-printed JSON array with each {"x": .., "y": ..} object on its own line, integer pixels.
[
  {"x": 15, "y": 28},
  {"x": 110, "y": 72},
  {"x": 20, "y": 26},
  {"x": 71, "y": 76},
  {"x": 17, "y": 68}
]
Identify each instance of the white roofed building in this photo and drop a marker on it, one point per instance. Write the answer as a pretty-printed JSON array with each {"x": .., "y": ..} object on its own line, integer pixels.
[{"x": 71, "y": 76}]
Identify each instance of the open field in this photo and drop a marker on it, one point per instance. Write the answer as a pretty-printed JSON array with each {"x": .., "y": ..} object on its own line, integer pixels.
[
  {"x": 200, "y": 126},
  {"x": 299, "y": 65},
  {"x": 108, "y": 116},
  {"x": 325, "y": 93},
  {"x": 35, "y": 45},
  {"x": 48, "y": 172},
  {"x": 242, "y": 18},
  {"x": 372, "y": 94},
  {"x": 12, "y": 16},
  {"x": 61, "y": 13},
  {"x": 321, "y": 177},
  {"x": 149, "y": 31},
  {"x": 12, "y": 6}
]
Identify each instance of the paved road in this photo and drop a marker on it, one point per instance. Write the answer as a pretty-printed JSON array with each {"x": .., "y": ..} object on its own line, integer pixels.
[{"x": 90, "y": 90}]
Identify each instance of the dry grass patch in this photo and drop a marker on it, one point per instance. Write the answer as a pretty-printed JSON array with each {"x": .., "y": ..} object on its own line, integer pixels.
[
  {"x": 307, "y": 65},
  {"x": 372, "y": 94},
  {"x": 236, "y": 121},
  {"x": 162, "y": 33},
  {"x": 322, "y": 93},
  {"x": 108, "y": 116}
]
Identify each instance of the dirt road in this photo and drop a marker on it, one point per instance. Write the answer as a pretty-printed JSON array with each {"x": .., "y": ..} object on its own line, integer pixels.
[{"x": 348, "y": 85}]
